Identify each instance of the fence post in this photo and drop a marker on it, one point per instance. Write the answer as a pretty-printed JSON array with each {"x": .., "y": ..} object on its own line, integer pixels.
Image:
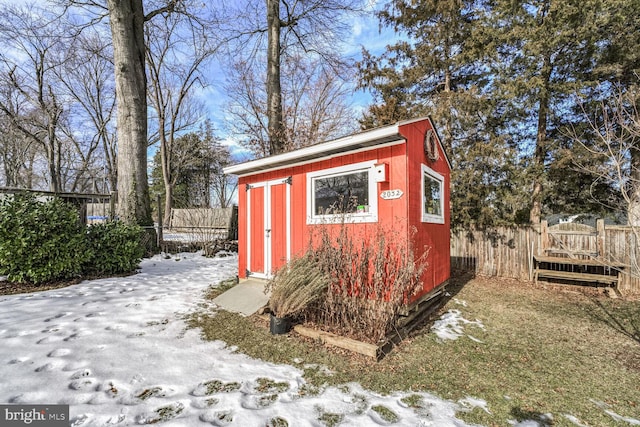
[
  {"x": 233, "y": 224},
  {"x": 600, "y": 238},
  {"x": 160, "y": 223},
  {"x": 544, "y": 237}
]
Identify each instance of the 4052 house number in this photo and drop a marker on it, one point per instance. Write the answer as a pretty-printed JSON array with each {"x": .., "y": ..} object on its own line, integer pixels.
[{"x": 391, "y": 194}]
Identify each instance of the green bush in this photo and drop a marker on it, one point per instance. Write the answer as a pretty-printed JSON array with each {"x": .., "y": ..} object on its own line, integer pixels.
[
  {"x": 40, "y": 241},
  {"x": 115, "y": 247}
]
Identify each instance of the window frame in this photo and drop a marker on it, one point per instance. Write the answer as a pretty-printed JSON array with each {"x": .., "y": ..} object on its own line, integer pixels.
[
  {"x": 428, "y": 217},
  {"x": 355, "y": 217}
]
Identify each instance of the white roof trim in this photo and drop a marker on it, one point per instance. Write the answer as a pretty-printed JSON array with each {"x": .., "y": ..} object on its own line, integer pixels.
[
  {"x": 353, "y": 142},
  {"x": 325, "y": 157}
]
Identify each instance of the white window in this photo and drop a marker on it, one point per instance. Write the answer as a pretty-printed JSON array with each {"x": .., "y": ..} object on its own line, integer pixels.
[
  {"x": 344, "y": 193},
  {"x": 432, "y": 196}
]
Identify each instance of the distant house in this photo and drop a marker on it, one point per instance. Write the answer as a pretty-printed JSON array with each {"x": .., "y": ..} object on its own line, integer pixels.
[
  {"x": 617, "y": 218},
  {"x": 396, "y": 176}
]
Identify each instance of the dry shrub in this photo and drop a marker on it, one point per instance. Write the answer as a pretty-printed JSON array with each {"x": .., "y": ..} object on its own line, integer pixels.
[
  {"x": 371, "y": 279},
  {"x": 295, "y": 286}
]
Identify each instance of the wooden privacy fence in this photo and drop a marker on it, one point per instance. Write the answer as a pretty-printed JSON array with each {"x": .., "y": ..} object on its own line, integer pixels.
[
  {"x": 509, "y": 251},
  {"x": 221, "y": 220},
  {"x": 205, "y": 224},
  {"x": 191, "y": 229}
]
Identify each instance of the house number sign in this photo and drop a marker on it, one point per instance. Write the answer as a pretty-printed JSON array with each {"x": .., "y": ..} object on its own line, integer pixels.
[{"x": 391, "y": 194}]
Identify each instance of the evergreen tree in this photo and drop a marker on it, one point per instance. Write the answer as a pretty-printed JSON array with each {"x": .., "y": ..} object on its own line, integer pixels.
[
  {"x": 542, "y": 53},
  {"x": 197, "y": 171},
  {"x": 507, "y": 83},
  {"x": 439, "y": 72}
]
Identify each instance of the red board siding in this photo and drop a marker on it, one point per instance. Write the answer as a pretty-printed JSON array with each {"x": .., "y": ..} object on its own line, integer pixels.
[
  {"x": 432, "y": 237},
  {"x": 242, "y": 227},
  {"x": 402, "y": 215},
  {"x": 256, "y": 230},
  {"x": 278, "y": 226}
]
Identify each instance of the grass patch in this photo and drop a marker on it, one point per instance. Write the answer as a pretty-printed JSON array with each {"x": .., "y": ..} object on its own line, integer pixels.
[
  {"x": 385, "y": 413},
  {"x": 360, "y": 402},
  {"x": 150, "y": 392},
  {"x": 212, "y": 401},
  {"x": 266, "y": 385},
  {"x": 329, "y": 419},
  {"x": 225, "y": 417},
  {"x": 221, "y": 287},
  {"x": 543, "y": 351},
  {"x": 269, "y": 399},
  {"x": 166, "y": 413},
  {"x": 217, "y": 386},
  {"x": 413, "y": 401},
  {"x": 278, "y": 422},
  {"x": 308, "y": 389}
]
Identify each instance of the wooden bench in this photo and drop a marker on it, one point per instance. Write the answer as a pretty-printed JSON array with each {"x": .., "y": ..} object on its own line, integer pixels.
[{"x": 575, "y": 276}]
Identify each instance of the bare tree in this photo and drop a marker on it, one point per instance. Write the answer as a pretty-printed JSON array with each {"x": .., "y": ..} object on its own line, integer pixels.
[
  {"x": 613, "y": 139},
  {"x": 88, "y": 79},
  {"x": 126, "y": 20},
  {"x": 315, "y": 103},
  {"x": 32, "y": 46},
  {"x": 197, "y": 177},
  {"x": 17, "y": 156},
  {"x": 178, "y": 49},
  {"x": 223, "y": 187},
  {"x": 274, "y": 90},
  {"x": 247, "y": 107},
  {"x": 293, "y": 29}
]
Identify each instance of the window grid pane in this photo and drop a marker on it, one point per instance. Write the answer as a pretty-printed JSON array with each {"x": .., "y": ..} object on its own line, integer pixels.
[
  {"x": 432, "y": 196},
  {"x": 347, "y": 193}
]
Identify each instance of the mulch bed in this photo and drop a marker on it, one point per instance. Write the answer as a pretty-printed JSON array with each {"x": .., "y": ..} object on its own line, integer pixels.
[{"x": 8, "y": 288}]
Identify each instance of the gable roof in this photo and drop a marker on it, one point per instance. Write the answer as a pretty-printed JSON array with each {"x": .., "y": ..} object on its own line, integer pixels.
[{"x": 340, "y": 146}]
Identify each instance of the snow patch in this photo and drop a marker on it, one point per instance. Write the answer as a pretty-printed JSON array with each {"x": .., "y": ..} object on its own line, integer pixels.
[
  {"x": 450, "y": 326},
  {"x": 574, "y": 420},
  {"x": 470, "y": 403},
  {"x": 118, "y": 352},
  {"x": 606, "y": 407}
]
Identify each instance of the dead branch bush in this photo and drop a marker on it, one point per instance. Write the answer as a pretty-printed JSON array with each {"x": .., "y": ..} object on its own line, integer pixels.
[
  {"x": 295, "y": 286},
  {"x": 371, "y": 279}
]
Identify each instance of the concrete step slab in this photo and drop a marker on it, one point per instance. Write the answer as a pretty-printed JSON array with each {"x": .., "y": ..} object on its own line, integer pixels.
[{"x": 246, "y": 298}]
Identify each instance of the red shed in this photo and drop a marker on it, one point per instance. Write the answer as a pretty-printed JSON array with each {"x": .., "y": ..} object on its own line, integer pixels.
[{"x": 399, "y": 176}]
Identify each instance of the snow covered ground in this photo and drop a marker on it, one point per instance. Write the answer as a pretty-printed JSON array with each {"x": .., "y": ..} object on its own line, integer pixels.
[{"x": 117, "y": 351}]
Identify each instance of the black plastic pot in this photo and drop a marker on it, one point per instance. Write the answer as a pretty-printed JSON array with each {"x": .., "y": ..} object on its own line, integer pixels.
[{"x": 279, "y": 325}]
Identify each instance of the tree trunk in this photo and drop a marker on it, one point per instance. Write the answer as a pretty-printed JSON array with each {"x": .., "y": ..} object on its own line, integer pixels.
[
  {"x": 127, "y": 30},
  {"x": 166, "y": 162},
  {"x": 274, "y": 91},
  {"x": 541, "y": 144},
  {"x": 110, "y": 169},
  {"x": 168, "y": 202},
  {"x": 167, "y": 178},
  {"x": 633, "y": 210}
]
